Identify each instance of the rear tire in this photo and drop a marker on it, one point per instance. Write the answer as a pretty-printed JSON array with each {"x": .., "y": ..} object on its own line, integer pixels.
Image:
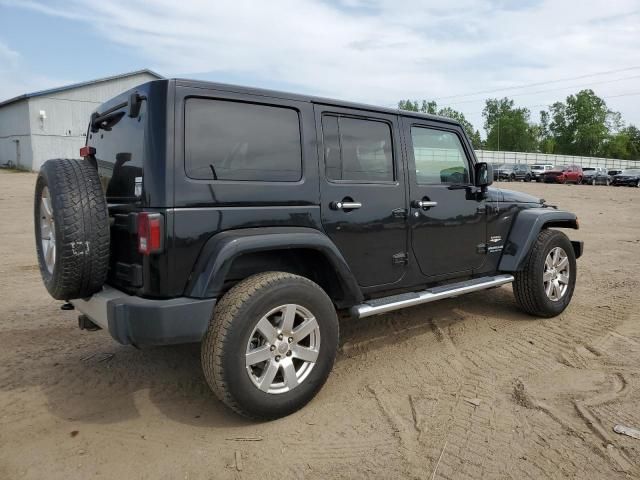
[
  {"x": 245, "y": 329},
  {"x": 531, "y": 284},
  {"x": 527, "y": 178},
  {"x": 71, "y": 228}
]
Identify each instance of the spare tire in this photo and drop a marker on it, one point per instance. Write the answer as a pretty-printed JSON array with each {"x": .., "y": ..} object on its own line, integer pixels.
[{"x": 71, "y": 228}]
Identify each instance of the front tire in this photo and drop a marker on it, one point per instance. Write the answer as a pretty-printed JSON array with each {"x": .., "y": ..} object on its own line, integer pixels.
[
  {"x": 270, "y": 345},
  {"x": 545, "y": 285}
]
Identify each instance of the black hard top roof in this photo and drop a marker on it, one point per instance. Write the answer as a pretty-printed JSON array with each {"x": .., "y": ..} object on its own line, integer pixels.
[{"x": 307, "y": 98}]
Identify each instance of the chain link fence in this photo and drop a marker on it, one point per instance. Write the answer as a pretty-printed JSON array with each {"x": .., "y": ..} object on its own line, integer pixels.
[{"x": 499, "y": 158}]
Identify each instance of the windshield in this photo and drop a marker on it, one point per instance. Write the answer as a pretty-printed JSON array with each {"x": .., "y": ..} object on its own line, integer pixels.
[
  {"x": 588, "y": 169},
  {"x": 506, "y": 166},
  {"x": 631, "y": 171}
]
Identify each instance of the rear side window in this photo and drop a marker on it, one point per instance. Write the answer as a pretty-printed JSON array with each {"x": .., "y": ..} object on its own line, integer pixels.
[
  {"x": 357, "y": 149},
  {"x": 227, "y": 140}
]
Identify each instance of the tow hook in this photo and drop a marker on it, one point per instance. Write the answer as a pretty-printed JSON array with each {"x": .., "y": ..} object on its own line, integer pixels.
[{"x": 84, "y": 323}]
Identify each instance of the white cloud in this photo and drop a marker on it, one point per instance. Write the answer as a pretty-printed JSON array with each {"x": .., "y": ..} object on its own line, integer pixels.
[
  {"x": 16, "y": 78},
  {"x": 379, "y": 51}
]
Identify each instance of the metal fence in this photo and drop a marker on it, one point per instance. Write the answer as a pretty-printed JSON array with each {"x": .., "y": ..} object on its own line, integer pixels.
[{"x": 490, "y": 156}]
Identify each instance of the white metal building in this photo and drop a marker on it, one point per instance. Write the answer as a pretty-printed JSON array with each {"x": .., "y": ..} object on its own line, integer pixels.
[{"x": 53, "y": 123}]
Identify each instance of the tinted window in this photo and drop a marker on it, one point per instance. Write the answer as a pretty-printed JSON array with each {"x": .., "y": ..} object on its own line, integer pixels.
[
  {"x": 241, "y": 141},
  {"x": 356, "y": 149},
  {"x": 439, "y": 157},
  {"x": 120, "y": 153}
]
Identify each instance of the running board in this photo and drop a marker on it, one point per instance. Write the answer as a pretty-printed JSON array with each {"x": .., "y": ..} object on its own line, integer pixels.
[{"x": 396, "y": 302}]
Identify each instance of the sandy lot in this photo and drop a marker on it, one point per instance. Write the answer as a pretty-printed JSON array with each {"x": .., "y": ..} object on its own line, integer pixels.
[{"x": 548, "y": 392}]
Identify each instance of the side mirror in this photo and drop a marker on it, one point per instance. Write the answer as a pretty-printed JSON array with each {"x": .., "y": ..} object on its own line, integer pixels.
[{"x": 483, "y": 174}]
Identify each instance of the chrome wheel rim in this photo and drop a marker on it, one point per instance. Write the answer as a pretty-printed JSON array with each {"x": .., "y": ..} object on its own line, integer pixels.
[
  {"x": 47, "y": 230},
  {"x": 282, "y": 349},
  {"x": 556, "y": 274}
]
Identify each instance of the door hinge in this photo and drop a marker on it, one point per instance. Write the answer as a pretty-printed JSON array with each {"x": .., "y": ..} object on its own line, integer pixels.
[
  {"x": 400, "y": 213},
  {"x": 400, "y": 258}
]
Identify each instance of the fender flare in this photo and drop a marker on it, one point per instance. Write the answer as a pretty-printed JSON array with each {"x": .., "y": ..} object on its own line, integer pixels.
[
  {"x": 219, "y": 252},
  {"x": 524, "y": 231}
]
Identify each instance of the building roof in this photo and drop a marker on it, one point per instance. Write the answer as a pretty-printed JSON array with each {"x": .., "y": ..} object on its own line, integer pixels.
[{"x": 78, "y": 85}]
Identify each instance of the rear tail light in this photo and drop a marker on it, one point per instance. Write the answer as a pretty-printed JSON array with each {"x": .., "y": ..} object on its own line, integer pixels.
[
  {"x": 150, "y": 232},
  {"x": 87, "y": 151}
]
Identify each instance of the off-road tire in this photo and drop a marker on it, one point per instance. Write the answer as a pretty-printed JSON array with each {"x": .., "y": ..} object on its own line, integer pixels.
[
  {"x": 234, "y": 318},
  {"x": 81, "y": 228},
  {"x": 528, "y": 286},
  {"x": 527, "y": 178}
]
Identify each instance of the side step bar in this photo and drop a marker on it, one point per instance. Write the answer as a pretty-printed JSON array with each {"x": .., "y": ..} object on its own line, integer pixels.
[{"x": 396, "y": 302}]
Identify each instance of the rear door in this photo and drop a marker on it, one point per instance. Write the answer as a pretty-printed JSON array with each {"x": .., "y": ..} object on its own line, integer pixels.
[
  {"x": 447, "y": 218},
  {"x": 362, "y": 187}
]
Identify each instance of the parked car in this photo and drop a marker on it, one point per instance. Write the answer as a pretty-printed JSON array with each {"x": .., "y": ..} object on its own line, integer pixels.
[
  {"x": 630, "y": 177},
  {"x": 596, "y": 176},
  {"x": 246, "y": 219},
  {"x": 539, "y": 169},
  {"x": 566, "y": 174},
  {"x": 512, "y": 172}
]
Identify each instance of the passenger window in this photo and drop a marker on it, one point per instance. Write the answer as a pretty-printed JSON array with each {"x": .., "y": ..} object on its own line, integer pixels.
[
  {"x": 357, "y": 149},
  {"x": 439, "y": 157},
  {"x": 227, "y": 140}
]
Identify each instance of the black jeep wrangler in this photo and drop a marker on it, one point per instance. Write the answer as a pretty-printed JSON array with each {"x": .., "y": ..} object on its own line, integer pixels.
[{"x": 245, "y": 219}]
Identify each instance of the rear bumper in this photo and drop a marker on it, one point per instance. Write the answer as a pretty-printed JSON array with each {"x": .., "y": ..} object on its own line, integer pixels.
[{"x": 140, "y": 321}]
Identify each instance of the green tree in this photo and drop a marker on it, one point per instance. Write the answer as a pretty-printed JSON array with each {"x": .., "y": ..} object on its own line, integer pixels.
[
  {"x": 546, "y": 143},
  {"x": 582, "y": 124},
  {"x": 508, "y": 127},
  {"x": 432, "y": 108},
  {"x": 624, "y": 144}
]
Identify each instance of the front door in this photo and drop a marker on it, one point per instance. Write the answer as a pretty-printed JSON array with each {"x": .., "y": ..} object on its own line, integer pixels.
[
  {"x": 447, "y": 217},
  {"x": 362, "y": 188}
]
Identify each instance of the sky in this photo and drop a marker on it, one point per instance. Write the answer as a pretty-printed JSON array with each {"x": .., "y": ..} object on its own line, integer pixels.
[{"x": 374, "y": 51}]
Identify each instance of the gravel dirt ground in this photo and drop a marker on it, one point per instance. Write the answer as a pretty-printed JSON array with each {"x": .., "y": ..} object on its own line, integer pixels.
[{"x": 469, "y": 388}]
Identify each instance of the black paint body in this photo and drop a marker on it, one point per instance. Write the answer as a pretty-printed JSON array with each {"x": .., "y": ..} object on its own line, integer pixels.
[{"x": 218, "y": 231}]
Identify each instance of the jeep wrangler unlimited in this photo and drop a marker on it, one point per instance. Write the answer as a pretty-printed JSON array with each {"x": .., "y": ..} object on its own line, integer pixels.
[{"x": 245, "y": 219}]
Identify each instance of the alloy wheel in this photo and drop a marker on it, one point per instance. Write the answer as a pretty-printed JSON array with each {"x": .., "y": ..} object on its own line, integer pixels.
[
  {"x": 556, "y": 274},
  {"x": 283, "y": 349},
  {"x": 47, "y": 230}
]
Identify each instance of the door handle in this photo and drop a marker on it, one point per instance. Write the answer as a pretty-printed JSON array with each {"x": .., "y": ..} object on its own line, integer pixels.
[
  {"x": 345, "y": 205},
  {"x": 423, "y": 204}
]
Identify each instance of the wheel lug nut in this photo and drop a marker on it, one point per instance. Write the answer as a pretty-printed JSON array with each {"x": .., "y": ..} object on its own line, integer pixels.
[
  {"x": 289, "y": 353},
  {"x": 290, "y": 339},
  {"x": 280, "y": 337},
  {"x": 277, "y": 358},
  {"x": 272, "y": 348}
]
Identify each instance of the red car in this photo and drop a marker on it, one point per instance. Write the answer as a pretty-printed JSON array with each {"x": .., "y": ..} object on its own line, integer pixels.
[{"x": 566, "y": 174}]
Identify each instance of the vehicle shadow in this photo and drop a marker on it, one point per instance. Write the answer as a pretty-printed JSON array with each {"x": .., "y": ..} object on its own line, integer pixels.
[{"x": 99, "y": 382}]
